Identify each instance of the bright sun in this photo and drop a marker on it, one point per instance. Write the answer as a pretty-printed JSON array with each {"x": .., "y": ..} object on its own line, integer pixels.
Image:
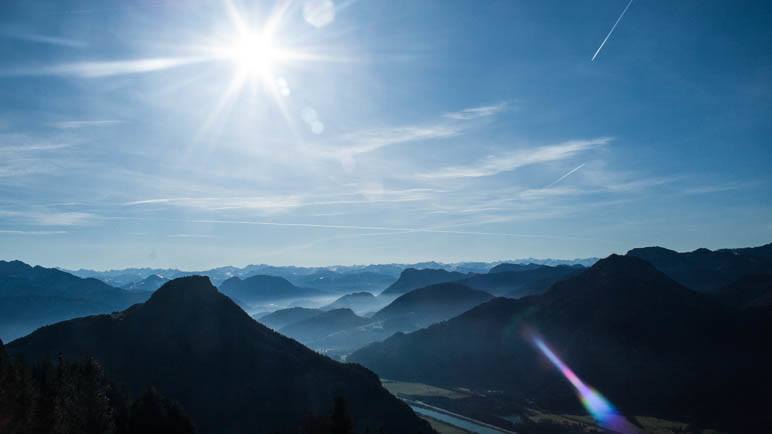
[{"x": 253, "y": 54}]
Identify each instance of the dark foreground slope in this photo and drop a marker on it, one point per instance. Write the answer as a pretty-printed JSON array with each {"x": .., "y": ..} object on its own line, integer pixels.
[
  {"x": 75, "y": 397},
  {"x": 650, "y": 345},
  {"x": 754, "y": 290},
  {"x": 31, "y": 297},
  {"x": 230, "y": 373}
]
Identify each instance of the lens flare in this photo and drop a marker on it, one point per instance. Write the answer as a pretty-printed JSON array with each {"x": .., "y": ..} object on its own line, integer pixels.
[{"x": 599, "y": 407}]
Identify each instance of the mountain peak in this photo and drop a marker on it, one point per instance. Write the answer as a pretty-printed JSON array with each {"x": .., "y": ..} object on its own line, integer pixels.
[
  {"x": 650, "y": 250},
  {"x": 617, "y": 271},
  {"x": 619, "y": 265},
  {"x": 190, "y": 288}
]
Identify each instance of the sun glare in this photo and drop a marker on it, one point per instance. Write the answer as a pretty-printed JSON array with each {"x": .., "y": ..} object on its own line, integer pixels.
[{"x": 253, "y": 54}]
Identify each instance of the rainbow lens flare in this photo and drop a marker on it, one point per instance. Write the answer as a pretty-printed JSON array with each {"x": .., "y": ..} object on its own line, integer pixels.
[{"x": 599, "y": 407}]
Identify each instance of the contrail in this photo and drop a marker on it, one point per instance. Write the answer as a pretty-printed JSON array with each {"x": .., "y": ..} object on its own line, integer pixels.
[
  {"x": 611, "y": 31},
  {"x": 389, "y": 229},
  {"x": 566, "y": 175}
]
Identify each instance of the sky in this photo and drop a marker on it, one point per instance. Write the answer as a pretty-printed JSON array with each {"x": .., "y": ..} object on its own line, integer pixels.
[{"x": 205, "y": 133}]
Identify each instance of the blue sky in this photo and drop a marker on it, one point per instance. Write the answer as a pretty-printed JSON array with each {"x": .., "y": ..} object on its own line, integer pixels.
[{"x": 198, "y": 134}]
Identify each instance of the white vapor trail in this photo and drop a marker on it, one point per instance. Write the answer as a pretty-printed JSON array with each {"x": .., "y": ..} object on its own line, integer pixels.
[
  {"x": 384, "y": 229},
  {"x": 565, "y": 175},
  {"x": 611, "y": 31}
]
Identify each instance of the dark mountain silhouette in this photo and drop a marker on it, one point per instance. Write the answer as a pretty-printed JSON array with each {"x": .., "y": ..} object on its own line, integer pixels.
[
  {"x": 31, "y": 297},
  {"x": 313, "y": 331},
  {"x": 358, "y": 302},
  {"x": 284, "y": 317},
  {"x": 412, "y": 278},
  {"x": 149, "y": 283},
  {"x": 519, "y": 282},
  {"x": 229, "y": 372},
  {"x": 752, "y": 290},
  {"x": 513, "y": 267},
  {"x": 707, "y": 270},
  {"x": 260, "y": 289},
  {"x": 19, "y": 278},
  {"x": 650, "y": 345},
  {"x": 764, "y": 251},
  {"x": 431, "y": 304}
]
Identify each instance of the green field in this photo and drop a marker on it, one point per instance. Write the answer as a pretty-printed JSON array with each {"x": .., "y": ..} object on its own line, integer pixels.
[{"x": 398, "y": 388}]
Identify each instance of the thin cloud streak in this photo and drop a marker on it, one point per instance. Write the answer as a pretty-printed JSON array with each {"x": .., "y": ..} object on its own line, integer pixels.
[
  {"x": 389, "y": 229},
  {"x": 370, "y": 141},
  {"x": 68, "y": 125},
  {"x": 19, "y": 232},
  {"x": 33, "y": 147},
  {"x": 383, "y": 228},
  {"x": 98, "y": 69},
  {"x": 46, "y": 39},
  {"x": 292, "y": 201},
  {"x": 48, "y": 218},
  {"x": 367, "y": 141},
  {"x": 495, "y": 164},
  {"x": 611, "y": 31},
  {"x": 477, "y": 112}
]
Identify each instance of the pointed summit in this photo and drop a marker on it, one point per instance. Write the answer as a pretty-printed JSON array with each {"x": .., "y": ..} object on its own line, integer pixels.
[{"x": 621, "y": 272}]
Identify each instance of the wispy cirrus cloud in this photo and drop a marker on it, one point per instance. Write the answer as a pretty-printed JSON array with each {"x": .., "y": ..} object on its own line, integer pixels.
[
  {"x": 23, "y": 232},
  {"x": 48, "y": 218},
  {"x": 38, "y": 38},
  {"x": 98, "y": 69},
  {"x": 191, "y": 236},
  {"x": 714, "y": 188},
  {"x": 389, "y": 229},
  {"x": 495, "y": 164},
  {"x": 69, "y": 125},
  {"x": 32, "y": 147},
  {"x": 261, "y": 203},
  {"x": 477, "y": 112},
  {"x": 372, "y": 140},
  {"x": 452, "y": 125},
  {"x": 19, "y": 143},
  {"x": 279, "y": 203}
]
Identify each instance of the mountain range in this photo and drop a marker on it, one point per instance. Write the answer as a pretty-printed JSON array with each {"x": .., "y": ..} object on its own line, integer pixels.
[
  {"x": 337, "y": 278},
  {"x": 340, "y": 331},
  {"x": 708, "y": 270},
  {"x": 229, "y": 372},
  {"x": 660, "y": 333},
  {"x": 649, "y": 344},
  {"x": 515, "y": 281},
  {"x": 31, "y": 297}
]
